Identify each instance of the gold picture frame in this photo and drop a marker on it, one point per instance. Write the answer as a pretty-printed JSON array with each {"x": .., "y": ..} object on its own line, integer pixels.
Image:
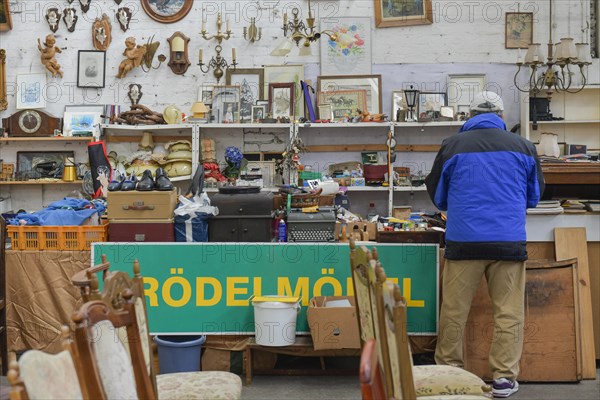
[
  {"x": 5, "y": 18},
  {"x": 3, "y": 100},
  {"x": 344, "y": 103},
  {"x": 518, "y": 32},
  {"x": 166, "y": 18},
  {"x": 402, "y": 13}
]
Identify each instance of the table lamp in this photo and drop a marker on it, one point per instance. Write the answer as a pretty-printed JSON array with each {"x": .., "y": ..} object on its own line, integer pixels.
[{"x": 199, "y": 110}]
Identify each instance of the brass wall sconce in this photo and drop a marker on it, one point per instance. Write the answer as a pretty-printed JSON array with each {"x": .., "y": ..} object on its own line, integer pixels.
[
  {"x": 219, "y": 36},
  {"x": 252, "y": 33},
  {"x": 218, "y": 63},
  {"x": 303, "y": 31},
  {"x": 179, "y": 61},
  {"x": 148, "y": 59}
]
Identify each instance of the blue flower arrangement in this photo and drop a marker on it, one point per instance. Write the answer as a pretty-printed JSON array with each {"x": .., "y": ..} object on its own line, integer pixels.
[{"x": 235, "y": 161}]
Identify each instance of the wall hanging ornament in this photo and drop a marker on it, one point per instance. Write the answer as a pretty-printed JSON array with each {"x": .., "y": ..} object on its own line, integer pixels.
[
  {"x": 85, "y": 5},
  {"x": 179, "y": 61},
  {"x": 135, "y": 93},
  {"x": 70, "y": 18},
  {"x": 48, "y": 52},
  {"x": 118, "y": 2},
  {"x": 53, "y": 18},
  {"x": 102, "y": 33},
  {"x": 124, "y": 17}
]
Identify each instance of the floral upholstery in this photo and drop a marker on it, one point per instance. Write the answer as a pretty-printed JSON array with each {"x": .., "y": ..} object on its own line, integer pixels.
[
  {"x": 434, "y": 380},
  {"x": 204, "y": 385},
  {"x": 140, "y": 315},
  {"x": 113, "y": 362},
  {"x": 48, "y": 376}
]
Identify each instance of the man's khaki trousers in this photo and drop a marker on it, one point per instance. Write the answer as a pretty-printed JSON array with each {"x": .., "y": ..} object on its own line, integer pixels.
[{"x": 506, "y": 283}]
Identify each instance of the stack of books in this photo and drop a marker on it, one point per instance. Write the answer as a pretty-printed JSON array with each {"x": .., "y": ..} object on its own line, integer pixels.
[{"x": 546, "y": 207}]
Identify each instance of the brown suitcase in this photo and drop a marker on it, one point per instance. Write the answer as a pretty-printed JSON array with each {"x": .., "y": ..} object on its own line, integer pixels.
[
  {"x": 141, "y": 231},
  {"x": 137, "y": 205}
]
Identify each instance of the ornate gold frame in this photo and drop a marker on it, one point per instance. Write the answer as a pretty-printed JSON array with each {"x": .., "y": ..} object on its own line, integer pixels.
[
  {"x": 382, "y": 21},
  {"x": 3, "y": 101},
  {"x": 185, "y": 9},
  {"x": 7, "y": 25}
]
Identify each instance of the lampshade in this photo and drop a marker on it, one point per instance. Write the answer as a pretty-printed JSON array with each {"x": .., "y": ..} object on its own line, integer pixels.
[
  {"x": 568, "y": 48},
  {"x": 178, "y": 44},
  {"x": 199, "y": 109},
  {"x": 305, "y": 51},
  {"x": 283, "y": 49},
  {"x": 558, "y": 52},
  {"x": 583, "y": 53},
  {"x": 411, "y": 96}
]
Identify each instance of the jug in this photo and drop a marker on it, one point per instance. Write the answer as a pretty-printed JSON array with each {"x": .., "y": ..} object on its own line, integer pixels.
[
  {"x": 70, "y": 170},
  {"x": 548, "y": 145}
]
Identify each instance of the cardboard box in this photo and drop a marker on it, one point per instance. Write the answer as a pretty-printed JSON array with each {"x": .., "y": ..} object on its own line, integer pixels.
[
  {"x": 333, "y": 327},
  {"x": 141, "y": 205}
]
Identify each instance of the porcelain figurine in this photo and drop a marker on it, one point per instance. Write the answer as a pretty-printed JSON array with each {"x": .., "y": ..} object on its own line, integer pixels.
[
  {"x": 134, "y": 53},
  {"x": 53, "y": 18},
  {"x": 48, "y": 55},
  {"x": 102, "y": 33}
]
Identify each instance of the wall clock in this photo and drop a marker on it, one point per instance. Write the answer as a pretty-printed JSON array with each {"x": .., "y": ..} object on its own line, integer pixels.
[{"x": 31, "y": 123}]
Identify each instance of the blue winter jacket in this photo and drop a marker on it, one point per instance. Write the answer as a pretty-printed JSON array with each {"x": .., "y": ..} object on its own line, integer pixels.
[{"x": 485, "y": 178}]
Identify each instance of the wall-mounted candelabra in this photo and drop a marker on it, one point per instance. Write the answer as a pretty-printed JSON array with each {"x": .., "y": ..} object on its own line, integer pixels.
[
  {"x": 252, "y": 33},
  {"x": 219, "y": 36},
  {"x": 217, "y": 63}
]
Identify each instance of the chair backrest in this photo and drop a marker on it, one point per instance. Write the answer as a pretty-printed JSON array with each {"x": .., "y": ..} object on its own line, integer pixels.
[
  {"x": 372, "y": 383},
  {"x": 359, "y": 269},
  {"x": 39, "y": 375},
  {"x": 117, "y": 374}
]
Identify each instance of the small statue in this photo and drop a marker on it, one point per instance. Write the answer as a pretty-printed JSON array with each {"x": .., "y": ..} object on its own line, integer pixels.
[
  {"x": 134, "y": 54},
  {"x": 48, "y": 55}
]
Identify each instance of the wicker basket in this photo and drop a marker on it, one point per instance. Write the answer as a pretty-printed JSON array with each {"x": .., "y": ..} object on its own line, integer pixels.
[
  {"x": 56, "y": 237},
  {"x": 305, "y": 200}
]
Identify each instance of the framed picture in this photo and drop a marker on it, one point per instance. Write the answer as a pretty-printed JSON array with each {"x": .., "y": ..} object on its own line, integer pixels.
[
  {"x": 5, "y": 18},
  {"x": 402, "y": 13},
  {"x": 41, "y": 164},
  {"x": 232, "y": 112},
  {"x": 519, "y": 30},
  {"x": 351, "y": 53},
  {"x": 371, "y": 84},
  {"x": 344, "y": 103},
  {"x": 462, "y": 88},
  {"x": 284, "y": 74},
  {"x": 3, "y": 98},
  {"x": 167, "y": 12},
  {"x": 82, "y": 120},
  {"x": 222, "y": 99},
  {"x": 30, "y": 91},
  {"x": 281, "y": 99},
  {"x": 430, "y": 105},
  {"x": 251, "y": 83},
  {"x": 399, "y": 106},
  {"x": 325, "y": 112},
  {"x": 258, "y": 113},
  {"x": 205, "y": 93},
  {"x": 91, "y": 65}
]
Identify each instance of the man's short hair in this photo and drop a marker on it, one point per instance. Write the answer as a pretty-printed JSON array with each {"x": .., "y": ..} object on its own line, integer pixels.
[{"x": 486, "y": 102}]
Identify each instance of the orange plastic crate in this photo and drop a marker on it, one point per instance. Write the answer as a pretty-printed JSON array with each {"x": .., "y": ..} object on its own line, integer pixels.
[{"x": 56, "y": 237}]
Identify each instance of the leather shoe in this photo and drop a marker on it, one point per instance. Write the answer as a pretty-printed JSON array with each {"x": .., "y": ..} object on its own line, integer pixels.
[
  {"x": 146, "y": 184},
  {"x": 129, "y": 183},
  {"x": 162, "y": 180},
  {"x": 115, "y": 184}
]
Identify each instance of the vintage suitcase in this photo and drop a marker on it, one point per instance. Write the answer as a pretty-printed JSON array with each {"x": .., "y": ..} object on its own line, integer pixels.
[
  {"x": 243, "y": 217},
  {"x": 141, "y": 205},
  {"x": 141, "y": 230}
]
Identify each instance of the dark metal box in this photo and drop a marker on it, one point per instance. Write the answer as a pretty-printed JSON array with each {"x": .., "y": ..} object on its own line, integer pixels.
[{"x": 243, "y": 217}]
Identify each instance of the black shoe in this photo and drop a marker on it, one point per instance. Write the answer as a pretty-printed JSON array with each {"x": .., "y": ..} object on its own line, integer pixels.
[
  {"x": 129, "y": 183},
  {"x": 162, "y": 180},
  {"x": 146, "y": 184},
  {"x": 115, "y": 185}
]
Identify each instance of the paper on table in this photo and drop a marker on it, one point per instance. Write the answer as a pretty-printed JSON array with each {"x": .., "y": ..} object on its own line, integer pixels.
[{"x": 338, "y": 303}]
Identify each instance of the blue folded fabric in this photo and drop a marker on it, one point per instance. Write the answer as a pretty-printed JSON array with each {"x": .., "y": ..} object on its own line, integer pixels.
[{"x": 66, "y": 212}]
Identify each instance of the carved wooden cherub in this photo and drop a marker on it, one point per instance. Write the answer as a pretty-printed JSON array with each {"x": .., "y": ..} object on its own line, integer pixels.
[
  {"x": 134, "y": 54},
  {"x": 48, "y": 53}
]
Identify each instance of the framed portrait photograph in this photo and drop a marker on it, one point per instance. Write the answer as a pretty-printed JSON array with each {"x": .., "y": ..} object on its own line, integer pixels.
[
  {"x": 222, "y": 98},
  {"x": 205, "y": 93},
  {"x": 281, "y": 99},
  {"x": 399, "y": 106},
  {"x": 30, "y": 91},
  {"x": 258, "y": 113},
  {"x": 462, "y": 89},
  {"x": 344, "y": 103},
  {"x": 285, "y": 74},
  {"x": 351, "y": 53},
  {"x": 5, "y": 18},
  {"x": 519, "y": 30},
  {"x": 91, "y": 66},
  {"x": 167, "y": 12},
  {"x": 251, "y": 83},
  {"x": 371, "y": 84},
  {"x": 80, "y": 120},
  {"x": 429, "y": 106},
  {"x": 232, "y": 112},
  {"x": 402, "y": 13}
]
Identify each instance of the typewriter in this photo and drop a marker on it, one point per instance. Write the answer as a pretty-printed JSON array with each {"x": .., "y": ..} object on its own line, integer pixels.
[{"x": 311, "y": 227}]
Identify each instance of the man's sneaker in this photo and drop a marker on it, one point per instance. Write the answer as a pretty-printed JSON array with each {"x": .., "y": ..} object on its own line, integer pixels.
[{"x": 503, "y": 387}]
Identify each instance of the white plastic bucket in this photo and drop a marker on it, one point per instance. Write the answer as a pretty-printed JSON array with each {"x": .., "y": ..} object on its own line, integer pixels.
[{"x": 275, "y": 322}]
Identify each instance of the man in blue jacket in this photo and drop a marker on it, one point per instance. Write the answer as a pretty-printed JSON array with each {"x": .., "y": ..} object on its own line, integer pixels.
[{"x": 485, "y": 178}]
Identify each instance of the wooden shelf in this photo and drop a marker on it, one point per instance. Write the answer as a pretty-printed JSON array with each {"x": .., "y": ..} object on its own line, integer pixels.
[
  {"x": 367, "y": 188},
  {"x": 47, "y": 139},
  {"x": 40, "y": 182},
  {"x": 575, "y": 173},
  {"x": 425, "y": 148},
  {"x": 565, "y": 122},
  {"x": 244, "y": 126}
]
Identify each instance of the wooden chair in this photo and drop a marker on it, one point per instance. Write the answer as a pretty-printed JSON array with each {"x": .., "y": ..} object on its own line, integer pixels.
[
  {"x": 359, "y": 270},
  {"x": 372, "y": 383},
  {"x": 81, "y": 279},
  {"x": 39, "y": 375},
  {"x": 189, "y": 385}
]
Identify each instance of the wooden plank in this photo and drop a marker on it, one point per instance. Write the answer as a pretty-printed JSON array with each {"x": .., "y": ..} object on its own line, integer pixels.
[
  {"x": 594, "y": 259},
  {"x": 572, "y": 243},
  {"x": 427, "y": 148},
  {"x": 156, "y": 137}
]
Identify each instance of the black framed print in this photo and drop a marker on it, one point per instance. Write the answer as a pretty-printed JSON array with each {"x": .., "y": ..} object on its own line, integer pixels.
[{"x": 91, "y": 66}]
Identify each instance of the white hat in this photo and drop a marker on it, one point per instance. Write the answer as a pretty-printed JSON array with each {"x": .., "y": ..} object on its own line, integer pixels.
[{"x": 487, "y": 102}]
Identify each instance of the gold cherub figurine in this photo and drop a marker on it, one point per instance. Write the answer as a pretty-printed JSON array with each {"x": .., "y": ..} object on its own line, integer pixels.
[
  {"x": 134, "y": 55},
  {"x": 48, "y": 53}
]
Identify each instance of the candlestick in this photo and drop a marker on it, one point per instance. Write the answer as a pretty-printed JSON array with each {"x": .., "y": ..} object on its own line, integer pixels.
[
  {"x": 285, "y": 19},
  {"x": 228, "y": 26},
  {"x": 519, "y": 57},
  {"x": 233, "y": 54},
  {"x": 203, "y": 25},
  {"x": 200, "y": 55}
]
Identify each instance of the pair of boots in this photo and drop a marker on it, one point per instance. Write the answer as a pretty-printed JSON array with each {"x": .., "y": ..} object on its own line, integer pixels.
[{"x": 146, "y": 183}]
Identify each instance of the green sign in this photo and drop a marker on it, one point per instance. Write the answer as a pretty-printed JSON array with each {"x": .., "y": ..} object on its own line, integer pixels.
[{"x": 205, "y": 288}]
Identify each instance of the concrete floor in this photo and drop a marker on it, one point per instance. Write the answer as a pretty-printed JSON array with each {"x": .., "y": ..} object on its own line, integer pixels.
[{"x": 347, "y": 387}]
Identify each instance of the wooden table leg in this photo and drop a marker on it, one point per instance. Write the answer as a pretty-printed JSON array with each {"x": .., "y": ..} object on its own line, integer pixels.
[{"x": 248, "y": 362}]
